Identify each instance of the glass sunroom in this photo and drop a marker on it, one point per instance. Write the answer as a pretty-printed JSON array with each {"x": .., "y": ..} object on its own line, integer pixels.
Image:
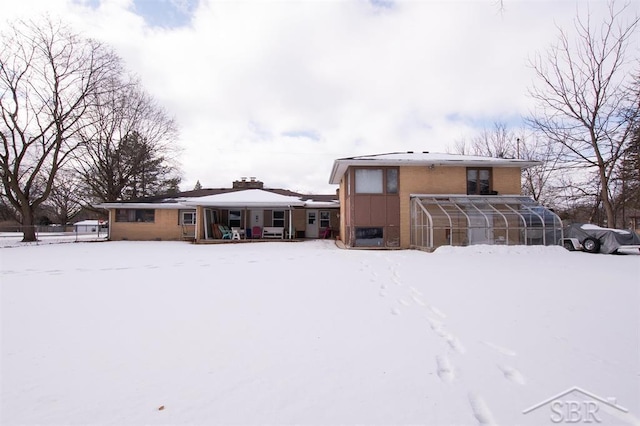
[{"x": 462, "y": 220}]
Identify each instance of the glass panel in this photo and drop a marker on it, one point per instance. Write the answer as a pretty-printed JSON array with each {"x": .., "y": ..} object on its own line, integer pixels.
[
  {"x": 472, "y": 181},
  {"x": 369, "y": 181},
  {"x": 188, "y": 218},
  {"x": 484, "y": 181},
  {"x": 234, "y": 218},
  {"x": 278, "y": 218},
  {"x": 487, "y": 220},
  {"x": 369, "y": 237},
  {"x": 135, "y": 215},
  {"x": 325, "y": 219},
  {"x": 145, "y": 215},
  {"x": 392, "y": 181}
]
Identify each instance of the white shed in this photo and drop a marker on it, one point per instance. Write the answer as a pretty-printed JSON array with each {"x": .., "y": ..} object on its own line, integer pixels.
[{"x": 89, "y": 226}]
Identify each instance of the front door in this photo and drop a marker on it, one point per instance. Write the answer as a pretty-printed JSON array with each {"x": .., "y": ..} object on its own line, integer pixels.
[
  {"x": 256, "y": 218},
  {"x": 311, "y": 230}
]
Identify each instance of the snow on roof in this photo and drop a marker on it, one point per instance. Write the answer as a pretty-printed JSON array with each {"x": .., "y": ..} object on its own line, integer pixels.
[
  {"x": 258, "y": 198},
  {"x": 322, "y": 204},
  {"x": 424, "y": 158},
  {"x": 90, "y": 222},
  {"x": 246, "y": 198},
  {"x": 140, "y": 205}
]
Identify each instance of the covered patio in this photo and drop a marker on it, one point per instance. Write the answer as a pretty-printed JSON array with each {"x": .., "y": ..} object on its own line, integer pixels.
[
  {"x": 462, "y": 220},
  {"x": 245, "y": 211}
]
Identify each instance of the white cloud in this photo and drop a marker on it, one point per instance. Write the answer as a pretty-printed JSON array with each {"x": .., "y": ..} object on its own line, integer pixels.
[{"x": 247, "y": 80}]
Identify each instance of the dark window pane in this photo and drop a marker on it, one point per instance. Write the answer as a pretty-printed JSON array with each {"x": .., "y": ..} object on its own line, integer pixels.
[
  {"x": 472, "y": 181},
  {"x": 392, "y": 181},
  {"x": 278, "y": 218},
  {"x": 234, "y": 218},
  {"x": 484, "y": 182},
  {"x": 135, "y": 215},
  {"x": 369, "y": 237}
]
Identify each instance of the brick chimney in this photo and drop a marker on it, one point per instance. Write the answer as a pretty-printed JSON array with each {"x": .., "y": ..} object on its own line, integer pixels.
[{"x": 251, "y": 183}]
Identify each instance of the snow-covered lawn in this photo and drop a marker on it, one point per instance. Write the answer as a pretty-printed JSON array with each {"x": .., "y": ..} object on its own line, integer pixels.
[{"x": 129, "y": 333}]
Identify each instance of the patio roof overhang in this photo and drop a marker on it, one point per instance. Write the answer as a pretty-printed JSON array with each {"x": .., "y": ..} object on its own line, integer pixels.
[
  {"x": 161, "y": 206},
  {"x": 251, "y": 198}
]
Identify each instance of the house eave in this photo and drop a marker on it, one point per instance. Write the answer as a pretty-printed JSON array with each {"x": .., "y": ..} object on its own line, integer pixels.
[
  {"x": 340, "y": 166},
  {"x": 235, "y": 204},
  {"x": 155, "y": 206}
]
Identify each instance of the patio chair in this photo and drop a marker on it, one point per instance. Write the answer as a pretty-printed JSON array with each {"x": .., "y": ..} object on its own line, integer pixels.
[
  {"x": 326, "y": 233},
  {"x": 237, "y": 233},
  {"x": 226, "y": 232},
  {"x": 256, "y": 232}
]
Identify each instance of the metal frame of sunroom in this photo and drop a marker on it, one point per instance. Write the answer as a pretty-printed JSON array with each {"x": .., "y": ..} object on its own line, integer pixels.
[{"x": 461, "y": 220}]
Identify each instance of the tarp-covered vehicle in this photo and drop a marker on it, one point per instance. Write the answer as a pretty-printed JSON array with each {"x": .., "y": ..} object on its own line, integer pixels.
[{"x": 594, "y": 239}]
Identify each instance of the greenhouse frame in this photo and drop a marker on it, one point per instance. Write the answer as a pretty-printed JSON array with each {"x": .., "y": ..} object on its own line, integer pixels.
[{"x": 462, "y": 220}]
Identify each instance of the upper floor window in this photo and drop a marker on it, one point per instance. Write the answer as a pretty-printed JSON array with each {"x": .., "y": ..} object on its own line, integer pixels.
[
  {"x": 369, "y": 181},
  {"x": 392, "y": 181},
  {"x": 478, "y": 181},
  {"x": 376, "y": 181},
  {"x": 135, "y": 215}
]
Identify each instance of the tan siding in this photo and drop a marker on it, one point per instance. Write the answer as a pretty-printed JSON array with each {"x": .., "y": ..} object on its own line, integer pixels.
[
  {"x": 445, "y": 180},
  {"x": 424, "y": 180},
  {"x": 200, "y": 225},
  {"x": 299, "y": 220},
  {"x": 506, "y": 180},
  {"x": 165, "y": 227}
]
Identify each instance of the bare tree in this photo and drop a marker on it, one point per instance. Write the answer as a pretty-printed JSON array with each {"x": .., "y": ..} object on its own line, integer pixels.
[
  {"x": 47, "y": 74},
  {"x": 502, "y": 142},
  {"x": 65, "y": 199},
  {"x": 498, "y": 142},
  {"x": 628, "y": 173},
  {"x": 540, "y": 182},
  {"x": 582, "y": 97},
  {"x": 129, "y": 148}
]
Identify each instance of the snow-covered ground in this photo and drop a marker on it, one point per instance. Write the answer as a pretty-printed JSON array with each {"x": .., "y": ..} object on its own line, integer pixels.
[{"x": 129, "y": 333}]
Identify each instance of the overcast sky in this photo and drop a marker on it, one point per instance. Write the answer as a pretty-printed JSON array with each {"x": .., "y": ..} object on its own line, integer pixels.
[{"x": 280, "y": 89}]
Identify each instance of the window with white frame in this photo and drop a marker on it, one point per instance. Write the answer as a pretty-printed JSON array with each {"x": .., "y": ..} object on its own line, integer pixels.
[
  {"x": 369, "y": 181},
  {"x": 325, "y": 219},
  {"x": 278, "y": 218},
  {"x": 187, "y": 217}
]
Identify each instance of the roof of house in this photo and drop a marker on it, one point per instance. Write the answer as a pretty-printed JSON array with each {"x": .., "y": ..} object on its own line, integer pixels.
[
  {"x": 246, "y": 198},
  {"x": 424, "y": 158},
  {"x": 228, "y": 197},
  {"x": 90, "y": 222}
]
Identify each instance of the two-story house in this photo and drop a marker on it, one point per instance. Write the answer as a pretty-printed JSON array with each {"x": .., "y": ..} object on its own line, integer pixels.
[{"x": 425, "y": 200}]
